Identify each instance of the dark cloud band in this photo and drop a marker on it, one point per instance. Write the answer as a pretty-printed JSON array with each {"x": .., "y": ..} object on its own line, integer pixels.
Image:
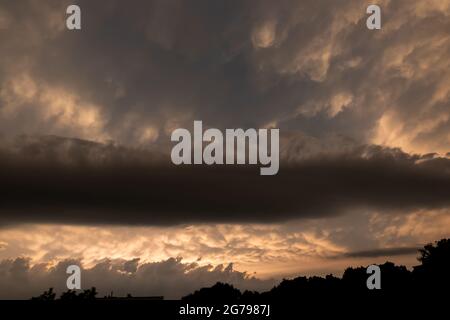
[
  {"x": 73, "y": 181},
  {"x": 382, "y": 252}
]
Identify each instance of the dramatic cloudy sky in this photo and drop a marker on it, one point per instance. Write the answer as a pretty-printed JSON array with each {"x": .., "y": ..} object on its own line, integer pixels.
[{"x": 86, "y": 118}]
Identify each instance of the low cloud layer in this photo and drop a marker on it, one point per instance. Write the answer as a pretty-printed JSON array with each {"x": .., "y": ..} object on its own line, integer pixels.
[
  {"x": 302, "y": 247},
  {"x": 171, "y": 278},
  {"x": 382, "y": 252}
]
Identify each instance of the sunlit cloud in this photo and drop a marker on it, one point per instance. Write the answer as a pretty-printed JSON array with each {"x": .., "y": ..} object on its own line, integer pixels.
[{"x": 266, "y": 250}]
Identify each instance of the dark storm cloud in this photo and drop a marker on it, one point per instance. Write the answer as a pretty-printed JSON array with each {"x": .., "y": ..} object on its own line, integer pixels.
[
  {"x": 61, "y": 180},
  {"x": 139, "y": 69}
]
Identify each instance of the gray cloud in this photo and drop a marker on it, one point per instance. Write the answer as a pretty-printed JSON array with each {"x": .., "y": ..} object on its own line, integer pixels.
[
  {"x": 309, "y": 66},
  {"x": 61, "y": 180},
  {"x": 171, "y": 278},
  {"x": 382, "y": 252}
]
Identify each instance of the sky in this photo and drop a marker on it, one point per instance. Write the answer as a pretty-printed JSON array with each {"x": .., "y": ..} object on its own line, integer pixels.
[{"x": 86, "y": 117}]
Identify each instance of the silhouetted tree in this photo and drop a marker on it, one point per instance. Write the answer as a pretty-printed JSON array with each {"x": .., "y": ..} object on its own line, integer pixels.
[
  {"x": 71, "y": 295},
  {"x": 219, "y": 292},
  {"x": 89, "y": 294},
  {"x": 436, "y": 256},
  {"x": 434, "y": 272},
  {"x": 251, "y": 296},
  {"x": 48, "y": 295}
]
